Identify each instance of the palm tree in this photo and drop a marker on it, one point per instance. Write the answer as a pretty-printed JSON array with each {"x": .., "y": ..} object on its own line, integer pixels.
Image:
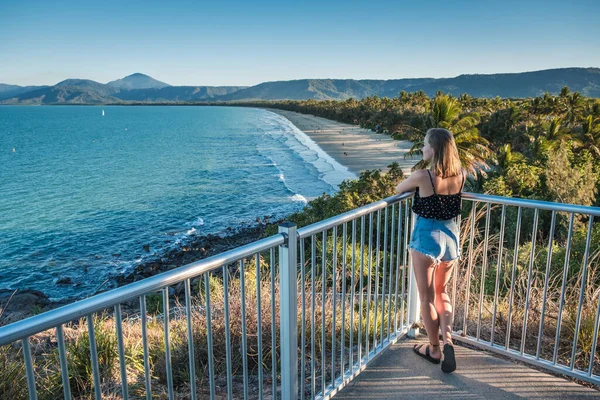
[
  {"x": 590, "y": 136},
  {"x": 554, "y": 130},
  {"x": 549, "y": 104},
  {"x": 446, "y": 113},
  {"x": 506, "y": 157},
  {"x": 419, "y": 100},
  {"x": 573, "y": 107},
  {"x": 595, "y": 108},
  {"x": 565, "y": 92},
  {"x": 554, "y": 135}
]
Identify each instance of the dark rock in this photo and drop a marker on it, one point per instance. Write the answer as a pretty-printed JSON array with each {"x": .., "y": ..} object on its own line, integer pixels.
[
  {"x": 188, "y": 258},
  {"x": 64, "y": 281},
  {"x": 22, "y": 300},
  {"x": 198, "y": 248}
]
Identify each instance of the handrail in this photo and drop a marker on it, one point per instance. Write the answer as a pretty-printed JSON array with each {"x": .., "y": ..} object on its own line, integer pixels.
[
  {"x": 540, "y": 204},
  {"x": 69, "y": 312},
  {"x": 348, "y": 216}
]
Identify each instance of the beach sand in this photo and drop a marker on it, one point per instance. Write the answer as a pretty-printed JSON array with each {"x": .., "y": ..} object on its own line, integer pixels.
[{"x": 356, "y": 148}]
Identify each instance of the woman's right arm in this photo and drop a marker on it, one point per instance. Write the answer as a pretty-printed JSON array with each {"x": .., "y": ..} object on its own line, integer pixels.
[{"x": 410, "y": 183}]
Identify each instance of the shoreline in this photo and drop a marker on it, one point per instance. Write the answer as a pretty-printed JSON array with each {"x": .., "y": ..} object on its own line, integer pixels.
[{"x": 353, "y": 147}]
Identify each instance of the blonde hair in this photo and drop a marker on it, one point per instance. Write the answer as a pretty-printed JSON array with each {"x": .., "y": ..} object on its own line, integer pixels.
[{"x": 445, "y": 161}]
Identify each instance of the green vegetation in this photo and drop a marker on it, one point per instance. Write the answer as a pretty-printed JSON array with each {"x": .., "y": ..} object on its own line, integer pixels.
[
  {"x": 542, "y": 148},
  {"x": 371, "y": 186}
]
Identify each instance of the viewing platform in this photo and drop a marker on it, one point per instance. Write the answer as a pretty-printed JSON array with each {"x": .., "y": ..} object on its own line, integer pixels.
[{"x": 328, "y": 311}]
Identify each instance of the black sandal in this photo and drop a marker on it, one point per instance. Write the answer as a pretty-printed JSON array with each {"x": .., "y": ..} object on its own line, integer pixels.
[
  {"x": 427, "y": 355},
  {"x": 449, "y": 363}
]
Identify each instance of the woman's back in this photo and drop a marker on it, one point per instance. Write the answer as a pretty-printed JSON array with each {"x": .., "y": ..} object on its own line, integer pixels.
[{"x": 444, "y": 186}]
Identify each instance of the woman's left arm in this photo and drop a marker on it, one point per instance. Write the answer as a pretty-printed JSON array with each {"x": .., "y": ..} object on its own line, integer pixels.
[{"x": 410, "y": 183}]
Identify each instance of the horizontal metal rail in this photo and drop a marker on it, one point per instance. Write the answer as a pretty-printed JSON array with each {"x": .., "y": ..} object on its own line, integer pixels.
[
  {"x": 108, "y": 299},
  {"x": 82, "y": 308},
  {"x": 539, "y": 204},
  {"x": 348, "y": 216},
  {"x": 526, "y": 358}
]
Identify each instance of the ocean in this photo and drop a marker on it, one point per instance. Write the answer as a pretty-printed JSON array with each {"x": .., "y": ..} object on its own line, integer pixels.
[{"x": 83, "y": 195}]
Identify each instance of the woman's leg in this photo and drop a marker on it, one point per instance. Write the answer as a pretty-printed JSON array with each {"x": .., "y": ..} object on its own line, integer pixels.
[
  {"x": 443, "y": 305},
  {"x": 424, "y": 272}
]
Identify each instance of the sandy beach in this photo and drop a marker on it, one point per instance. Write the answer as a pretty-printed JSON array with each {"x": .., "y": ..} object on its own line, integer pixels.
[{"x": 356, "y": 148}]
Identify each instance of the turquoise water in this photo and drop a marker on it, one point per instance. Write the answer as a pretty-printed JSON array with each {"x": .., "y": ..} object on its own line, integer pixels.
[{"x": 81, "y": 193}]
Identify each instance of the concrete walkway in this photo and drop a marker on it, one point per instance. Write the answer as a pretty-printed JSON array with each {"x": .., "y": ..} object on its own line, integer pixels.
[{"x": 400, "y": 374}]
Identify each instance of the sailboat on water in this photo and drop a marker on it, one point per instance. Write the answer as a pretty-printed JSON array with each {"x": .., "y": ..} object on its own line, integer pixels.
[{"x": 103, "y": 113}]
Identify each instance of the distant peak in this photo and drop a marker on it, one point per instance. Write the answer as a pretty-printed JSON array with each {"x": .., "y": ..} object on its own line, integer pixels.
[
  {"x": 77, "y": 82},
  {"x": 137, "y": 81},
  {"x": 138, "y": 75}
]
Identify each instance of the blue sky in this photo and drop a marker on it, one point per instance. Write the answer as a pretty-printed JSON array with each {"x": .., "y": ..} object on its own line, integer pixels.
[{"x": 248, "y": 42}]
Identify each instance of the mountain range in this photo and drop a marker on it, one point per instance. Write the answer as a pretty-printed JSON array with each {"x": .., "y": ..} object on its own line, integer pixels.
[{"x": 140, "y": 88}]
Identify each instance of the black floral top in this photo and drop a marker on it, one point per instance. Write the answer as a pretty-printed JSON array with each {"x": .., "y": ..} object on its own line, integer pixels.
[{"x": 438, "y": 206}]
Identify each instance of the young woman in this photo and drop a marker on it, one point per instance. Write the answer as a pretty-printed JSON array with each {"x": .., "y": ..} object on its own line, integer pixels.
[{"x": 434, "y": 242}]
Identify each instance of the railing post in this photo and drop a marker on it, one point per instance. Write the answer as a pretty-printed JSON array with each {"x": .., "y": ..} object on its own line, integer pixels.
[
  {"x": 414, "y": 304},
  {"x": 288, "y": 314}
]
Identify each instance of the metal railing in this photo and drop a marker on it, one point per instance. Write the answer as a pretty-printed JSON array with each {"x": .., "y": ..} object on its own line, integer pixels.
[
  {"x": 328, "y": 271},
  {"x": 332, "y": 297},
  {"x": 529, "y": 285},
  {"x": 139, "y": 292},
  {"x": 354, "y": 284}
]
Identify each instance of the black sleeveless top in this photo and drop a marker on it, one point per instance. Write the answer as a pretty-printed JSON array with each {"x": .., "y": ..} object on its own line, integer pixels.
[{"x": 438, "y": 206}]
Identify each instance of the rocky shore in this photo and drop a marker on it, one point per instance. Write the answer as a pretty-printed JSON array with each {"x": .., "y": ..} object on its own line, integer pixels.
[
  {"x": 16, "y": 305},
  {"x": 200, "y": 248}
]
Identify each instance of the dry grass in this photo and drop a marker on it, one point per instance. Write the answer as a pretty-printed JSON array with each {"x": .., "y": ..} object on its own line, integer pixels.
[{"x": 45, "y": 351}]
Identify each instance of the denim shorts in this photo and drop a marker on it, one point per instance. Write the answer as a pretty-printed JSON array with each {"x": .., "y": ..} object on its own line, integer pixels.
[{"x": 436, "y": 239}]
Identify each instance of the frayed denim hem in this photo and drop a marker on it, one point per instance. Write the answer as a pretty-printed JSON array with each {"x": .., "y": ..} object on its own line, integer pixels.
[{"x": 436, "y": 261}]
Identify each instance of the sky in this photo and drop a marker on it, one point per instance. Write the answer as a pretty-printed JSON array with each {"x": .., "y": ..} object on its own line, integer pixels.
[{"x": 216, "y": 43}]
